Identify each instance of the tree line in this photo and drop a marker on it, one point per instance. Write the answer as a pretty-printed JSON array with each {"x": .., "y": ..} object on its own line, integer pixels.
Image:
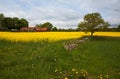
[
  {"x": 9, "y": 24},
  {"x": 91, "y": 22}
]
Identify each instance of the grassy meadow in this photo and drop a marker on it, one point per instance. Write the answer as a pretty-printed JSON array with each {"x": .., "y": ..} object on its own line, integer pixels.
[{"x": 44, "y": 56}]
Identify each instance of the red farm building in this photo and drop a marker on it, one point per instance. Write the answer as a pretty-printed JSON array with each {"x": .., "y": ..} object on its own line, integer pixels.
[{"x": 33, "y": 29}]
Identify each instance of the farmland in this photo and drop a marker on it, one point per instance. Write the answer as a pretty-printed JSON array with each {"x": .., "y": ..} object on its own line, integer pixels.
[
  {"x": 41, "y": 55},
  {"x": 51, "y": 36}
]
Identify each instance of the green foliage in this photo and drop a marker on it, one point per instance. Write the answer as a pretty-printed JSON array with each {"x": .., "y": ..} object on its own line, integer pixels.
[
  {"x": 118, "y": 28},
  {"x": 12, "y": 23},
  {"x": 8, "y": 22},
  {"x": 22, "y": 23},
  {"x": 54, "y": 29},
  {"x": 16, "y": 23},
  {"x": 93, "y": 21},
  {"x": 47, "y": 25}
]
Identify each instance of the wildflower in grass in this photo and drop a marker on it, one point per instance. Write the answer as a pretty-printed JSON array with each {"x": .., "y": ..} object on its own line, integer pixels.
[
  {"x": 83, "y": 74},
  {"x": 33, "y": 66},
  {"x": 100, "y": 76},
  {"x": 73, "y": 70},
  {"x": 76, "y": 72},
  {"x": 55, "y": 59},
  {"x": 65, "y": 78},
  {"x": 56, "y": 70},
  {"x": 107, "y": 76},
  {"x": 60, "y": 72}
]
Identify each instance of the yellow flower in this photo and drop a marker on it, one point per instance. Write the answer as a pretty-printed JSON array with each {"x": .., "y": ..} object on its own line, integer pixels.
[
  {"x": 73, "y": 70},
  {"x": 76, "y": 72},
  {"x": 107, "y": 76},
  {"x": 65, "y": 78},
  {"x": 56, "y": 70},
  {"x": 101, "y": 78},
  {"x": 52, "y": 36}
]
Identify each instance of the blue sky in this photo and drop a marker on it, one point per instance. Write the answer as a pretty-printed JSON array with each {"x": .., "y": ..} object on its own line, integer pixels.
[{"x": 61, "y": 13}]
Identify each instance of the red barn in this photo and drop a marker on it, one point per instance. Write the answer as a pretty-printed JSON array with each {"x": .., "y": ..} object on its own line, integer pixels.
[
  {"x": 32, "y": 29},
  {"x": 28, "y": 29},
  {"x": 40, "y": 29}
]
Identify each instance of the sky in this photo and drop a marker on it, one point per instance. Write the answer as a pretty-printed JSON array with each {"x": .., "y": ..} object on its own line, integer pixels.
[{"x": 61, "y": 13}]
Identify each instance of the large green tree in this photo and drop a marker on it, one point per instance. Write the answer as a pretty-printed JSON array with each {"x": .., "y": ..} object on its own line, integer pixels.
[
  {"x": 23, "y": 23},
  {"x": 92, "y": 21},
  {"x": 54, "y": 29},
  {"x": 8, "y": 22},
  {"x": 16, "y": 23},
  {"x": 12, "y": 23},
  {"x": 48, "y": 25}
]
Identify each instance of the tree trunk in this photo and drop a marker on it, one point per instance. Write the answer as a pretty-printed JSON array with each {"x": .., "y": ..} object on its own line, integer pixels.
[{"x": 92, "y": 33}]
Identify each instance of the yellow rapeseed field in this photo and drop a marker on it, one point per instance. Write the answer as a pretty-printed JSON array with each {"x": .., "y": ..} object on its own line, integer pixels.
[{"x": 52, "y": 36}]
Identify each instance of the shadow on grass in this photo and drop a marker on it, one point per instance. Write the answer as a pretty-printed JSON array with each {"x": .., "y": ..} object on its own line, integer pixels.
[{"x": 101, "y": 38}]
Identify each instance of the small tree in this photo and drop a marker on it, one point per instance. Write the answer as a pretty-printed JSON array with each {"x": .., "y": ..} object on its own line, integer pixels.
[
  {"x": 47, "y": 25},
  {"x": 38, "y": 25},
  {"x": 91, "y": 22},
  {"x": 54, "y": 29}
]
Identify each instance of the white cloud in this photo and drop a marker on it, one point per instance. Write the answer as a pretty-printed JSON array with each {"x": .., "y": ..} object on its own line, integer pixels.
[{"x": 62, "y": 13}]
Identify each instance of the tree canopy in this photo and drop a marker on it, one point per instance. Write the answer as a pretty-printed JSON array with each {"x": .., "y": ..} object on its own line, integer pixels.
[
  {"x": 92, "y": 21},
  {"x": 12, "y": 23},
  {"x": 47, "y": 25}
]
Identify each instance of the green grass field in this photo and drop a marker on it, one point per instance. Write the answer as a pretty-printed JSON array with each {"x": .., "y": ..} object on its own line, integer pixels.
[{"x": 50, "y": 60}]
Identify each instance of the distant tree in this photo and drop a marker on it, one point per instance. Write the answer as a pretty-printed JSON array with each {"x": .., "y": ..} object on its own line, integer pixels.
[
  {"x": 118, "y": 28},
  {"x": 78, "y": 29},
  {"x": 16, "y": 23},
  {"x": 91, "y": 22},
  {"x": 22, "y": 23},
  {"x": 54, "y": 29},
  {"x": 1, "y": 19},
  {"x": 8, "y": 22},
  {"x": 12, "y": 23},
  {"x": 47, "y": 25},
  {"x": 38, "y": 25}
]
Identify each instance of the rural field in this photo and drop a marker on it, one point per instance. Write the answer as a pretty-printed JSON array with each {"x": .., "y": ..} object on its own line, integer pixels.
[
  {"x": 51, "y": 36},
  {"x": 59, "y": 55}
]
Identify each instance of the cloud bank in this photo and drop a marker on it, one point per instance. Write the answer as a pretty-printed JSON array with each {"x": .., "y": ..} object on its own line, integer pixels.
[{"x": 61, "y": 13}]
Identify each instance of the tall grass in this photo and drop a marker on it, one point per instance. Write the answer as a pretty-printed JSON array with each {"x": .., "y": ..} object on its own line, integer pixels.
[
  {"x": 103, "y": 56},
  {"x": 41, "y": 59},
  {"x": 36, "y": 60}
]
